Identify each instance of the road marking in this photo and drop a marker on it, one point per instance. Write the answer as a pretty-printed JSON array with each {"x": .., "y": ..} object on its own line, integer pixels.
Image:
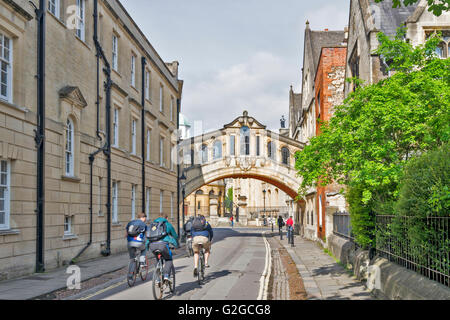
[
  {"x": 103, "y": 290},
  {"x": 264, "y": 280}
]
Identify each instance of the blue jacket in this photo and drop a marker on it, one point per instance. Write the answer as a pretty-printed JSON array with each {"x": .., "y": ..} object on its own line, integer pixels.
[
  {"x": 208, "y": 232},
  {"x": 172, "y": 236},
  {"x": 140, "y": 237}
]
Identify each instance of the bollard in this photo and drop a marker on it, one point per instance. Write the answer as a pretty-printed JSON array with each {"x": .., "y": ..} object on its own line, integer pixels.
[
  {"x": 292, "y": 237},
  {"x": 281, "y": 233}
]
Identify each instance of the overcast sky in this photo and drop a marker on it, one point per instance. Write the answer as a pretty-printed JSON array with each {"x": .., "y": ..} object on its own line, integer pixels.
[{"x": 235, "y": 55}]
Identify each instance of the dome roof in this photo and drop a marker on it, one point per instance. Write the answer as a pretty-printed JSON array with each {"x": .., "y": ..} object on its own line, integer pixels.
[{"x": 184, "y": 121}]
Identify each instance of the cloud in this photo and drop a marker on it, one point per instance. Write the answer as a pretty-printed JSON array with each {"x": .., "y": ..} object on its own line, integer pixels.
[
  {"x": 330, "y": 16},
  {"x": 259, "y": 85}
]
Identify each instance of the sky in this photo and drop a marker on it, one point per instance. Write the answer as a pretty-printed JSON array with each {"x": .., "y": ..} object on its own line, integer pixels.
[{"x": 235, "y": 55}]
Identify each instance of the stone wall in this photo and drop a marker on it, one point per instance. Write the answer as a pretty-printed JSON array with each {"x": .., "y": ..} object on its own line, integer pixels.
[{"x": 385, "y": 279}]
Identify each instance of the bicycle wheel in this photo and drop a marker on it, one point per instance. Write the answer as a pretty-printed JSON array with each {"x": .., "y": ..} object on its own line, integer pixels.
[
  {"x": 144, "y": 269},
  {"x": 200, "y": 275},
  {"x": 133, "y": 268},
  {"x": 172, "y": 278},
  {"x": 157, "y": 285}
]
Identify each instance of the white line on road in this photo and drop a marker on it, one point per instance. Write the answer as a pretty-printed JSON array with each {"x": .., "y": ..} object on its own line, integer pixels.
[{"x": 264, "y": 281}]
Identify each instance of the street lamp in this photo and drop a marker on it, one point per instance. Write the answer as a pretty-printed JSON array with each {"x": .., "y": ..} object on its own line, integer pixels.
[{"x": 183, "y": 186}]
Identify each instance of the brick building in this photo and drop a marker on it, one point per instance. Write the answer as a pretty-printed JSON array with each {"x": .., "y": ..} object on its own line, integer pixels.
[{"x": 71, "y": 133}]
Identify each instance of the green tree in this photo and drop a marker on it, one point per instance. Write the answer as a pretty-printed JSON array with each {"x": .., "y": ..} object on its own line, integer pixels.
[
  {"x": 435, "y": 6},
  {"x": 371, "y": 137}
]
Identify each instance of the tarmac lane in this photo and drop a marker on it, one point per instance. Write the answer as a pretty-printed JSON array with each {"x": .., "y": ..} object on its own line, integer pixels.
[{"x": 238, "y": 259}]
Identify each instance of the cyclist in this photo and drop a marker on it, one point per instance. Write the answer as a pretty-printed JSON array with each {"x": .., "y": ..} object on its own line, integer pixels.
[
  {"x": 202, "y": 233},
  {"x": 161, "y": 234},
  {"x": 136, "y": 236},
  {"x": 187, "y": 226}
]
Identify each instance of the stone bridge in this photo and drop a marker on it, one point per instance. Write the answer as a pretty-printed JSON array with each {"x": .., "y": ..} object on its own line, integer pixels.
[{"x": 244, "y": 148}]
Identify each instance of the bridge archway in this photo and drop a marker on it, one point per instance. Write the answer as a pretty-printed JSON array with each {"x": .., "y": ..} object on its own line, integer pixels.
[{"x": 248, "y": 150}]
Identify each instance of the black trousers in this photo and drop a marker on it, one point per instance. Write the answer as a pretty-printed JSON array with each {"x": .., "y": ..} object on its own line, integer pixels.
[{"x": 163, "y": 247}]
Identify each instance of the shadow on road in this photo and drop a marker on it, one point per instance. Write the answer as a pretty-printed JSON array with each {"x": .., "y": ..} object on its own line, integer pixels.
[{"x": 189, "y": 286}]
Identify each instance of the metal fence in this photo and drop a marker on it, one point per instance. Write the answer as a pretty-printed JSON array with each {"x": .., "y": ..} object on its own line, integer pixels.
[
  {"x": 341, "y": 225},
  {"x": 419, "y": 244}
]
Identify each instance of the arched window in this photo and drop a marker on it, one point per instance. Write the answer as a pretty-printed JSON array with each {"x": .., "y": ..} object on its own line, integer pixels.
[
  {"x": 217, "y": 150},
  {"x": 211, "y": 193},
  {"x": 245, "y": 141},
  {"x": 271, "y": 150},
  {"x": 69, "y": 163},
  {"x": 204, "y": 153},
  {"x": 285, "y": 155}
]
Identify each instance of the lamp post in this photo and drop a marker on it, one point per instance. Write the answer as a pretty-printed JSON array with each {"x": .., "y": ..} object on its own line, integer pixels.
[{"x": 183, "y": 186}]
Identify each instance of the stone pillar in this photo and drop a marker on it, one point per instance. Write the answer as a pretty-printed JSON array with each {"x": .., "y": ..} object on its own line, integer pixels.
[
  {"x": 243, "y": 214},
  {"x": 329, "y": 220},
  {"x": 213, "y": 204}
]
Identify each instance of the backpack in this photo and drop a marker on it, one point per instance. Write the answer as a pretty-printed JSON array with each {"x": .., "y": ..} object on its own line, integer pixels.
[
  {"x": 199, "y": 224},
  {"x": 157, "y": 231},
  {"x": 134, "y": 230}
]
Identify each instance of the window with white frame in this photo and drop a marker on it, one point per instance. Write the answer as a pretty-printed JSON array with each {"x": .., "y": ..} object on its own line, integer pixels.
[
  {"x": 161, "y": 152},
  {"x": 133, "y": 201},
  {"x": 147, "y": 85},
  {"x": 171, "y": 109},
  {"x": 116, "y": 128},
  {"x": 172, "y": 147},
  {"x": 147, "y": 201},
  {"x": 100, "y": 180},
  {"x": 171, "y": 206},
  {"x": 4, "y": 194},
  {"x": 53, "y": 7},
  {"x": 148, "y": 144},
  {"x": 6, "y": 67},
  {"x": 115, "y": 202},
  {"x": 161, "y": 99},
  {"x": 115, "y": 52},
  {"x": 133, "y": 137},
  {"x": 133, "y": 70},
  {"x": 161, "y": 198},
  {"x": 81, "y": 6},
  {"x": 68, "y": 225},
  {"x": 232, "y": 146},
  {"x": 69, "y": 148}
]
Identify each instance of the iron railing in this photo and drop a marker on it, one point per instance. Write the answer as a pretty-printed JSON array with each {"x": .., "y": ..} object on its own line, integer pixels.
[
  {"x": 418, "y": 244},
  {"x": 342, "y": 226}
]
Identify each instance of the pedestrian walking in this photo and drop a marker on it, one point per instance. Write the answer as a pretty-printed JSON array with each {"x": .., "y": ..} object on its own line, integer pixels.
[
  {"x": 280, "y": 226},
  {"x": 231, "y": 221},
  {"x": 290, "y": 230}
]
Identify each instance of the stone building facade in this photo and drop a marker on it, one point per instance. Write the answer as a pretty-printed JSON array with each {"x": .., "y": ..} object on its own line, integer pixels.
[
  {"x": 202, "y": 201},
  {"x": 71, "y": 135},
  {"x": 322, "y": 88}
]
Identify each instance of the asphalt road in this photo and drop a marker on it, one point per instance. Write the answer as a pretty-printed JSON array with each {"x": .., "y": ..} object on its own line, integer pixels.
[{"x": 237, "y": 262}]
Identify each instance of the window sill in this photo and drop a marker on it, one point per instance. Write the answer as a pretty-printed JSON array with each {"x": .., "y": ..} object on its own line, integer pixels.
[
  {"x": 134, "y": 88},
  {"x": 70, "y": 178},
  {"x": 7, "y": 232},
  {"x": 117, "y": 72},
  {"x": 57, "y": 19},
  {"x": 82, "y": 41},
  {"x": 69, "y": 237},
  {"x": 116, "y": 224}
]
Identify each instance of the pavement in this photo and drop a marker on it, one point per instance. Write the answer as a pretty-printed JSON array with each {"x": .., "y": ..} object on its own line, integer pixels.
[{"x": 323, "y": 277}]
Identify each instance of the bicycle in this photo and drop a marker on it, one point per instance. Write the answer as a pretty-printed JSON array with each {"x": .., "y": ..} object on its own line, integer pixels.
[
  {"x": 137, "y": 267},
  {"x": 189, "y": 250},
  {"x": 201, "y": 264},
  {"x": 159, "y": 285}
]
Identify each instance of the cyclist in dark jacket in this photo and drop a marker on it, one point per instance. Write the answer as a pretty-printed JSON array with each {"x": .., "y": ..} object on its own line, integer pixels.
[{"x": 204, "y": 237}]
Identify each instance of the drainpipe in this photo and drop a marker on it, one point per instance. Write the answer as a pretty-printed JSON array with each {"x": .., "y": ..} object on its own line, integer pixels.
[
  {"x": 99, "y": 54},
  {"x": 143, "y": 150},
  {"x": 40, "y": 136}
]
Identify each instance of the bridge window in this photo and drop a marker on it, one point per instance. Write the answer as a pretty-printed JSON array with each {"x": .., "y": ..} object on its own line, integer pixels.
[
  {"x": 271, "y": 150},
  {"x": 285, "y": 155},
  {"x": 232, "y": 145},
  {"x": 204, "y": 153},
  {"x": 217, "y": 150},
  {"x": 258, "y": 143},
  {"x": 245, "y": 141}
]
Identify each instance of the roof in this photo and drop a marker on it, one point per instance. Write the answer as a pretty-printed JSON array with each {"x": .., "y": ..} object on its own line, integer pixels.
[
  {"x": 324, "y": 39},
  {"x": 387, "y": 19}
]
